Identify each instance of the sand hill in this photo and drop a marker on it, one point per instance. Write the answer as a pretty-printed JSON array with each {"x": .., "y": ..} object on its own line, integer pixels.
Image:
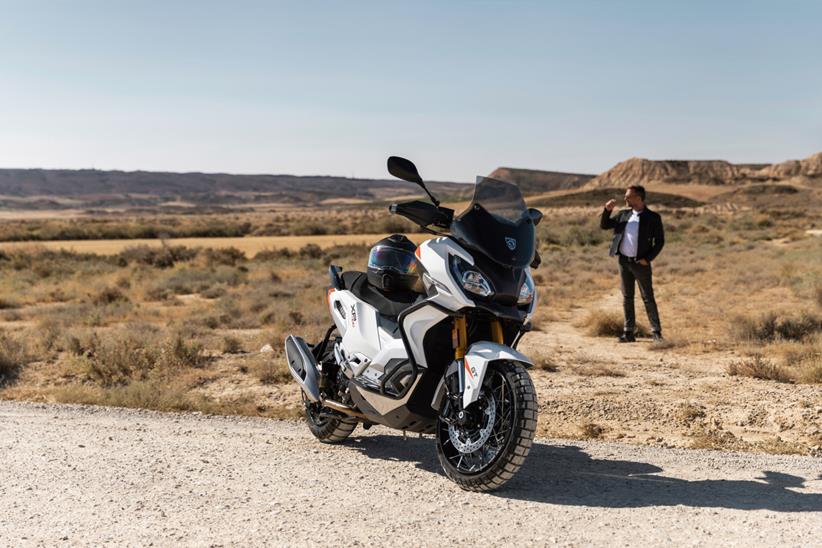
[{"x": 706, "y": 172}]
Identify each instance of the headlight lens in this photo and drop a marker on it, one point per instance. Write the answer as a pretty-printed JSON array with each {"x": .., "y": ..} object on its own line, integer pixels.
[
  {"x": 526, "y": 292},
  {"x": 470, "y": 278}
]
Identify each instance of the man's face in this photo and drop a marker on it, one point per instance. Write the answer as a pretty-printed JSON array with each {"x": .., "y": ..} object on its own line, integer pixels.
[{"x": 633, "y": 200}]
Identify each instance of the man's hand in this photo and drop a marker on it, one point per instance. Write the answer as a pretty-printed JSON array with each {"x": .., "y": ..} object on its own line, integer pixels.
[
  {"x": 643, "y": 262},
  {"x": 610, "y": 205}
]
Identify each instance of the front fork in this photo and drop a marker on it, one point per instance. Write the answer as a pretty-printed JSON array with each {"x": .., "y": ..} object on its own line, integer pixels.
[{"x": 459, "y": 341}]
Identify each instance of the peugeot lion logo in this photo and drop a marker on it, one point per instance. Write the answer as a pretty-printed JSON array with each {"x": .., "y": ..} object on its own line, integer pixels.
[{"x": 511, "y": 243}]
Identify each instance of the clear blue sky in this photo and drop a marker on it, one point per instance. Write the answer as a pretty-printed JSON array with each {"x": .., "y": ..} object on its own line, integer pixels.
[{"x": 312, "y": 87}]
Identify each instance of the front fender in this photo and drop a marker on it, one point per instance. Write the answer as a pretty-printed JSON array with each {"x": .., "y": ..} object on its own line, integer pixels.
[
  {"x": 473, "y": 368},
  {"x": 476, "y": 362}
]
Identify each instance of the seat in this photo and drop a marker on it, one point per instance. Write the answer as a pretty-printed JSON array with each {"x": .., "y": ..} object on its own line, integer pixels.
[{"x": 386, "y": 304}]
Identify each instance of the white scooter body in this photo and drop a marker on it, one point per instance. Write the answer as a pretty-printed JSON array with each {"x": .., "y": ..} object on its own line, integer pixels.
[{"x": 369, "y": 343}]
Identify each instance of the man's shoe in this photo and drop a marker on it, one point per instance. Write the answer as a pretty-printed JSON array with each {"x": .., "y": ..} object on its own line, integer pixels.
[
  {"x": 657, "y": 336},
  {"x": 627, "y": 338}
]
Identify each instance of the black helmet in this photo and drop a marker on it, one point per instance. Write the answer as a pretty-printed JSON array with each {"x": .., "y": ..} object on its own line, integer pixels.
[{"x": 392, "y": 265}]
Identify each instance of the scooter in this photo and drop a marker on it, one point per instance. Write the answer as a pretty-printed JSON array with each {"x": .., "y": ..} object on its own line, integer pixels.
[{"x": 446, "y": 363}]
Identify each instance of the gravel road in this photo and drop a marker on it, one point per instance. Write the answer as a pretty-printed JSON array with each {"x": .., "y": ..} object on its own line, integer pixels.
[{"x": 80, "y": 475}]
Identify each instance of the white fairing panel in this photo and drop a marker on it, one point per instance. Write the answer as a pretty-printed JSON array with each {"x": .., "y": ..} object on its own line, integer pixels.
[
  {"x": 357, "y": 323},
  {"x": 476, "y": 363},
  {"x": 434, "y": 255}
]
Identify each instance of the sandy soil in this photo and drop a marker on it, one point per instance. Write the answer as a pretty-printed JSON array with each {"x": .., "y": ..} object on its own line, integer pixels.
[{"x": 78, "y": 475}]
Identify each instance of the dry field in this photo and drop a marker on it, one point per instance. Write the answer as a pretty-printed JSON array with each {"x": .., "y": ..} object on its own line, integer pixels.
[
  {"x": 249, "y": 245},
  {"x": 180, "y": 326}
]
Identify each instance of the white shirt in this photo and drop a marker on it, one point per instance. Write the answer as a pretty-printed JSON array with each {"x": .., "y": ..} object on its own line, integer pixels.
[{"x": 630, "y": 238}]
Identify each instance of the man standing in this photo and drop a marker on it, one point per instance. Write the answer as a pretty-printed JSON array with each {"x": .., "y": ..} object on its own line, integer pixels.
[{"x": 638, "y": 239}]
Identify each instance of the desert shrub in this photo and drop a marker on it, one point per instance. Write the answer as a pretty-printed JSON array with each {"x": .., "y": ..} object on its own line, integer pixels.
[
  {"x": 13, "y": 356},
  {"x": 228, "y": 256},
  {"x": 117, "y": 357},
  {"x": 213, "y": 292},
  {"x": 599, "y": 370},
  {"x": 589, "y": 430},
  {"x": 160, "y": 257},
  {"x": 135, "y": 353},
  {"x": 7, "y": 303},
  {"x": 583, "y": 236},
  {"x": 108, "y": 295},
  {"x": 275, "y": 254},
  {"x": 193, "y": 280},
  {"x": 603, "y": 323},
  {"x": 311, "y": 251},
  {"x": 770, "y": 327},
  {"x": 688, "y": 413},
  {"x": 270, "y": 368},
  {"x": 177, "y": 352},
  {"x": 759, "y": 368},
  {"x": 232, "y": 345}
]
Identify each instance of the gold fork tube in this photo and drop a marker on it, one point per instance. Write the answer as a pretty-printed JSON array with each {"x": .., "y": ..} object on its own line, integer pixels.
[{"x": 459, "y": 336}]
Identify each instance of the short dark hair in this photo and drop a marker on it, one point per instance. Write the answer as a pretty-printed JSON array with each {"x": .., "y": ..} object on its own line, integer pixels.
[{"x": 639, "y": 189}]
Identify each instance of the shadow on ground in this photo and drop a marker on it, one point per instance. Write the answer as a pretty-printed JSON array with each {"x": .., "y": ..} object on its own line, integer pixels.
[{"x": 568, "y": 475}]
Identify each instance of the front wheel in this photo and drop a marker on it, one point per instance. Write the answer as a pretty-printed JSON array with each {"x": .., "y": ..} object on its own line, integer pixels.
[{"x": 486, "y": 450}]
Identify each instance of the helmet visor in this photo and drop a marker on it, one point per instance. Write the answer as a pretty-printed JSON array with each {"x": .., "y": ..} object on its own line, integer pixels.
[{"x": 398, "y": 260}]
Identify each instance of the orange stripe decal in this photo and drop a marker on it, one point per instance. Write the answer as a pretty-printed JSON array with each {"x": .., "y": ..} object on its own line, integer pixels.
[{"x": 465, "y": 361}]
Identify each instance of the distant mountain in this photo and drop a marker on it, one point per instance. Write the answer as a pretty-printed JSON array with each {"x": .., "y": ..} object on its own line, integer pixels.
[
  {"x": 55, "y": 188},
  {"x": 532, "y": 181},
  {"x": 706, "y": 172}
]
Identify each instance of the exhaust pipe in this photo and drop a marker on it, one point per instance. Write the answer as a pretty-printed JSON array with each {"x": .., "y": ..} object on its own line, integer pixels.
[
  {"x": 303, "y": 366},
  {"x": 342, "y": 408}
]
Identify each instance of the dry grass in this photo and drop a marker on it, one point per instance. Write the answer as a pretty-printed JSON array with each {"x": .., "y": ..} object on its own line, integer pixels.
[
  {"x": 667, "y": 344},
  {"x": 249, "y": 246},
  {"x": 590, "y": 431},
  {"x": 772, "y": 327},
  {"x": 760, "y": 368},
  {"x": 599, "y": 370},
  {"x": 604, "y": 323},
  {"x": 689, "y": 412},
  {"x": 270, "y": 370}
]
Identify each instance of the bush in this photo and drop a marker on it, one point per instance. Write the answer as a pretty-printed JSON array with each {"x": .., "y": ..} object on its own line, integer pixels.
[
  {"x": 232, "y": 345},
  {"x": 602, "y": 323},
  {"x": 122, "y": 356},
  {"x": 160, "y": 257},
  {"x": 108, "y": 295},
  {"x": 311, "y": 251},
  {"x": 771, "y": 327},
  {"x": 13, "y": 356},
  {"x": 759, "y": 368},
  {"x": 228, "y": 256}
]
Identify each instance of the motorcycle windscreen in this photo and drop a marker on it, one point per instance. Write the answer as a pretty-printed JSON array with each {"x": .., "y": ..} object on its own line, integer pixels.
[{"x": 497, "y": 224}]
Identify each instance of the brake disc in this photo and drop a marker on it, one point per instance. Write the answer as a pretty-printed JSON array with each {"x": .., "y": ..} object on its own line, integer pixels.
[{"x": 468, "y": 440}]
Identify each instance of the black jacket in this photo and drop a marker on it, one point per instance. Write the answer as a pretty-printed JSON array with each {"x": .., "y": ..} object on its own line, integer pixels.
[{"x": 651, "y": 234}]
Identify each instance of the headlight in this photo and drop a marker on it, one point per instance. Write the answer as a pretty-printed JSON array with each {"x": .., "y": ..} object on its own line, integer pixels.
[
  {"x": 526, "y": 292},
  {"x": 470, "y": 278}
]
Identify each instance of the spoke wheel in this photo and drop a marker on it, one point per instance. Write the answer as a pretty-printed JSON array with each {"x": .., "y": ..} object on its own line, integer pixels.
[
  {"x": 326, "y": 427},
  {"x": 488, "y": 447}
]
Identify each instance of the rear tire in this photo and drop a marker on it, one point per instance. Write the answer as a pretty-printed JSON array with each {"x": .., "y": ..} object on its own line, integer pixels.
[
  {"x": 510, "y": 386},
  {"x": 325, "y": 428}
]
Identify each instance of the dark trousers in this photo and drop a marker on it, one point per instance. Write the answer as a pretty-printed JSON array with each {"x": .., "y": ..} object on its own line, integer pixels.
[{"x": 629, "y": 272}]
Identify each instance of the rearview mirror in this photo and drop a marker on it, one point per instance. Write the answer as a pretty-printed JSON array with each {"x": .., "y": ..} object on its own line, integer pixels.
[{"x": 404, "y": 169}]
